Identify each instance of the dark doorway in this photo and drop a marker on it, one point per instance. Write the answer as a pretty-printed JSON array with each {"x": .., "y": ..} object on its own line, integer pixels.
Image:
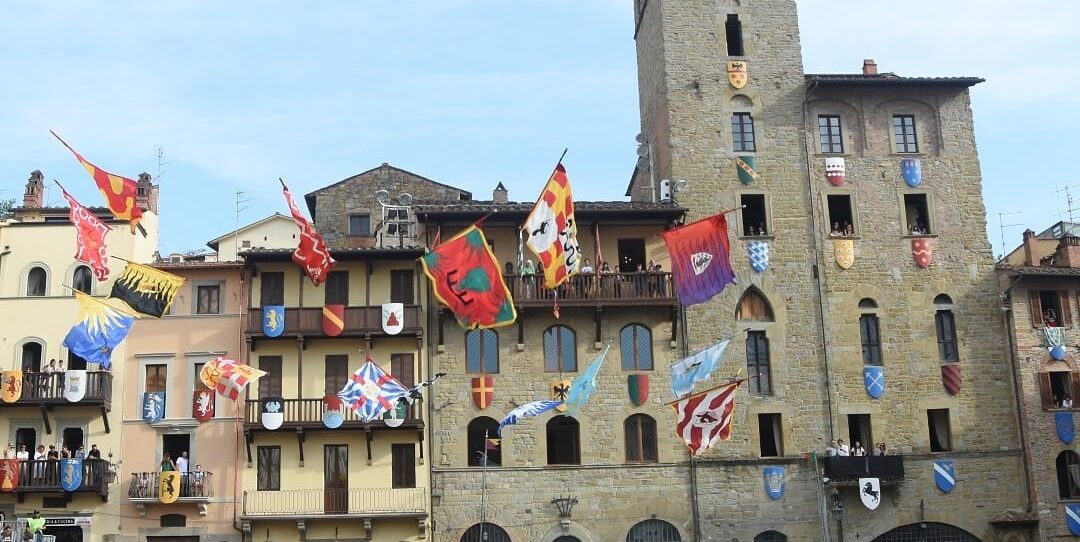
[
  {"x": 31, "y": 357},
  {"x": 73, "y": 438},
  {"x": 66, "y": 533},
  {"x": 175, "y": 445},
  {"x": 631, "y": 254},
  {"x": 335, "y": 479},
  {"x": 26, "y": 436},
  {"x": 76, "y": 362}
]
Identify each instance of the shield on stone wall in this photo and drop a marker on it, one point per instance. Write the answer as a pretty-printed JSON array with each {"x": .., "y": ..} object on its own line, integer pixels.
[
  {"x": 202, "y": 405},
  {"x": 1072, "y": 518},
  {"x": 393, "y": 318},
  {"x": 75, "y": 385},
  {"x": 638, "y": 387},
  {"x": 333, "y": 319},
  {"x": 759, "y": 255},
  {"x": 737, "y": 73},
  {"x": 483, "y": 391},
  {"x": 874, "y": 380},
  {"x": 560, "y": 388},
  {"x": 922, "y": 249},
  {"x": 835, "y": 170},
  {"x": 11, "y": 386},
  {"x": 950, "y": 376},
  {"x": 945, "y": 474},
  {"x": 71, "y": 473},
  {"x": 745, "y": 167},
  {"x": 870, "y": 492},
  {"x": 844, "y": 252},
  {"x": 911, "y": 169},
  {"x": 272, "y": 416},
  {"x": 774, "y": 482},
  {"x": 333, "y": 414},
  {"x": 1065, "y": 426},
  {"x": 273, "y": 320},
  {"x": 169, "y": 487}
]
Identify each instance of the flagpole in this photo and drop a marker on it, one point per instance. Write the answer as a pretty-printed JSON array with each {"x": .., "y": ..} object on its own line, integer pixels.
[
  {"x": 732, "y": 210},
  {"x": 728, "y": 338},
  {"x": 483, "y": 488},
  {"x": 737, "y": 382},
  {"x": 96, "y": 300}
]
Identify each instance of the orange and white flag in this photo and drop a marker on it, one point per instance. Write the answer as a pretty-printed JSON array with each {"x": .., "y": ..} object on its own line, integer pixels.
[{"x": 551, "y": 230}]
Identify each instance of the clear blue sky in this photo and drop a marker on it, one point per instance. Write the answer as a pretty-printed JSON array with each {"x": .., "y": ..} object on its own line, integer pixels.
[{"x": 468, "y": 92}]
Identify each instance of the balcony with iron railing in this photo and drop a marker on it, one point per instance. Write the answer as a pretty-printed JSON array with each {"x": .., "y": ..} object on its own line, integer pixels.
[
  {"x": 308, "y": 414},
  {"x": 352, "y": 502},
  {"x": 591, "y": 289},
  {"x": 359, "y": 322},
  {"x": 195, "y": 487},
  {"x": 887, "y": 468},
  {"x": 50, "y": 476},
  {"x": 47, "y": 389}
]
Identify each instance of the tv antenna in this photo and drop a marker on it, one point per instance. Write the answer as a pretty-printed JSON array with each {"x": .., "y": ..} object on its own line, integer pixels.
[
  {"x": 240, "y": 201},
  {"x": 1068, "y": 201},
  {"x": 162, "y": 164},
  {"x": 1002, "y": 225}
]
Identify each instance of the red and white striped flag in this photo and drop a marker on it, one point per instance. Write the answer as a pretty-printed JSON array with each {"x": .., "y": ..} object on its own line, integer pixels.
[
  {"x": 705, "y": 418},
  {"x": 228, "y": 377},
  {"x": 311, "y": 254}
]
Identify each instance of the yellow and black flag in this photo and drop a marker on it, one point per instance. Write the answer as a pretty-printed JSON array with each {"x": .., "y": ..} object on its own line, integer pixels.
[{"x": 147, "y": 290}]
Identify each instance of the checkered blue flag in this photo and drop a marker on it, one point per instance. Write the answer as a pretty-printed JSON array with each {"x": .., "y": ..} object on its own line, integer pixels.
[{"x": 371, "y": 391}]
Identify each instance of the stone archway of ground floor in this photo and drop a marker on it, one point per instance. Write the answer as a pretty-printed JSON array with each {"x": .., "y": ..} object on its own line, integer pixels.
[{"x": 927, "y": 532}]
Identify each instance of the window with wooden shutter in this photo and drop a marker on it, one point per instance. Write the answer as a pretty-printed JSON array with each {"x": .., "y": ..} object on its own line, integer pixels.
[
  {"x": 270, "y": 385},
  {"x": 403, "y": 459},
  {"x": 1044, "y": 391},
  {"x": 1066, "y": 312},
  {"x": 1074, "y": 388},
  {"x": 337, "y": 373},
  {"x": 1035, "y": 308}
]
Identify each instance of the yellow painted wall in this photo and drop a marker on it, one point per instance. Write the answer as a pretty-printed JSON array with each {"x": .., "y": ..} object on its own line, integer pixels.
[{"x": 277, "y": 232}]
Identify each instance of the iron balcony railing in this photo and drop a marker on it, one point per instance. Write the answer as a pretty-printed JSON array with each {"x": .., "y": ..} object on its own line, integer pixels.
[
  {"x": 47, "y": 475},
  {"x": 591, "y": 288},
  {"x": 194, "y": 486},
  {"x": 359, "y": 321},
  {"x": 48, "y": 389},
  {"x": 308, "y": 414},
  {"x": 352, "y": 501},
  {"x": 887, "y": 468}
]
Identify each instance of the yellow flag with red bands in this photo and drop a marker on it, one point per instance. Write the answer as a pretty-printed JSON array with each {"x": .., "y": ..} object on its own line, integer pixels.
[
  {"x": 551, "y": 230},
  {"x": 119, "y": 191}
]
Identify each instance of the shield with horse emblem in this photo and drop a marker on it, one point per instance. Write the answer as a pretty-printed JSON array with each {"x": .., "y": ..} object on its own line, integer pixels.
[
  {"x": 870, "y": 492},
  {"x": 774, "y": 482},
  {"x": 11, "y": 386},
  {"x": 945, "y": 474},
  {"x": 759, "y": 255},
  {"x": 922, "y": 249},
  {"x": 737, "y": 73},
  {"x": 560, "y": 388},
  {"x": 70, "y": 474},
  {"x": 844, "y": 252},
  {"x": 638, "y": 387},
  {"x": 333, "y": 319},
  {"x": 273, "y": 320},
  {"x": 169, "y": 487},
  {"x": 874, "y": 380}
]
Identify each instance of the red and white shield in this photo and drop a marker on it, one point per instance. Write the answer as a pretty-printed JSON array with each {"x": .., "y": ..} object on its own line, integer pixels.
[
  {"x": 393, "y": 318},
  {"x": 333, "y": 319},
  {"x": 835, "y": 170},
  {"x": 922, "y": 249},
  {"x": 202, "y": 405}
]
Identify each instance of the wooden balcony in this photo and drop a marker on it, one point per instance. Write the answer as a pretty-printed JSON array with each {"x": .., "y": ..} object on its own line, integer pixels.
[
  {"x": 630, "y": 289},
  {"x": 195, "y": 487},
  {"x": 43, "y": 476},
  {"x": 47, "y": 389},
  {"x": 359, "y": 322},
  {"x": 357, "y": 502},
  {"x": 887, "y": 468},
  {"x": 306, "y": 414}
]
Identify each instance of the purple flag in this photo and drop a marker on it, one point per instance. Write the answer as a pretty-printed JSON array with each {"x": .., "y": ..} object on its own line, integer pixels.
[{"x": 700, "y": 259}]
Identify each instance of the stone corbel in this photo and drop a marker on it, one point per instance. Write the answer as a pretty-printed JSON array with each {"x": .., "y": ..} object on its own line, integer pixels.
[
  {"x": 245, "y": 528},
  {"x": 202, "y": 508},
  {"x": 141, "y": 508},
  {"x": 301, "y": 527},
  {"x": 421, "y": 528},
  {"x": 367, "y": 528}
]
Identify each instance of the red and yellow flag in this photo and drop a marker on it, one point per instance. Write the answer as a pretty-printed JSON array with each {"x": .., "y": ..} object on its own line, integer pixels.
[
  {"x": 551, "y": 230},
  {"x": 119, "y": 191},
  {"x": 90, "y": 238}
]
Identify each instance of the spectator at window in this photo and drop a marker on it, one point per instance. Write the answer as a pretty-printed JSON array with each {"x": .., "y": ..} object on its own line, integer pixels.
[
  {"x": 1050, "y": 318},
  {"x": 23, "y": 454},
  {"x": 528, "y": 271},
  {"x": 857, "y": 450},
  {"x": 836, "y": 230},
  {"x": 1066, "y": 401},
  {"x": 832, "y": 449},
  {"x": 880, "y": 449},
  {"x": 842, "y": 449}
]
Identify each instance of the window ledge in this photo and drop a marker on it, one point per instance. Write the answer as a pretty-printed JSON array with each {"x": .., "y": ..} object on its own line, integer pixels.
[
  {"x": 757, "y": 237},
  {"x": 919, "y": 236},
  {"x": 909, "y": 154},
  {"x": 834, "y": 155},
  {"x": 843, "y": 237}
]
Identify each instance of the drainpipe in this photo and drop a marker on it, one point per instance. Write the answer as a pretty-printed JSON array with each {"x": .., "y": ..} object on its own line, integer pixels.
[{"x": 1008, "y": 318}]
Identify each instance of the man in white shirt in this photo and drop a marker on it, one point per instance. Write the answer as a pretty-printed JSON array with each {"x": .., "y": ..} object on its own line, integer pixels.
[
  {"x": 182, "y": 463},
  {"x": 842, "y": 450}
]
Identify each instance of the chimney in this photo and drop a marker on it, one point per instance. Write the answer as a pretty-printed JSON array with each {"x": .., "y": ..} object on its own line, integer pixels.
[
  {"x": 146, "y": 194},
  {"x": 1029, "y": 248},
  {"x": 34, "y": 198},
  {"x": 869, "y": 67},
  {"x": 500, "y": 195}
]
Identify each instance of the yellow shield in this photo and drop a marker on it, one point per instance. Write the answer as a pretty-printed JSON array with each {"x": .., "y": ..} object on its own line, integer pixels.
[
  {"x": 559, "y": 389},
  {"x": 844, "y": 251},
  {"x": 10, "y": 386},
  {"x": 737, "y": 73},
  {"x": 169, "y": 488}
]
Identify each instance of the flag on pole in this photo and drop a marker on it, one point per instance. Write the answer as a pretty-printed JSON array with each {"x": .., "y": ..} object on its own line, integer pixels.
[
  {"x": 147, "y": 290},
  {"x": 228, "y": 377},
  {"x": 700, "y": 259},
  {"x": 585, "y": 384},
  {"x": 527, "y": 410},
  {"x": 312, "y": 254},
  {"x": 705, "y": 418},
  {"x": 99, "y": 330},
  {"x": 371, "y": 391},
  {"x": 120, "y": 192},
  {"x": 551, "y": 230},
  {"x": 492, "y": 443},
  {"x": 417, "y": 391},
  {"x": 466, "y": 278},
  {"x": 696, "y": 368},
  {"x": 90, "y": 238}
]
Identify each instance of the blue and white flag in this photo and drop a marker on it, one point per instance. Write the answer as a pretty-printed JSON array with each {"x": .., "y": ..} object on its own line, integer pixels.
[
  {"x": 1055, "y": 342},
  {"x": 371, "y": 391},
  {"x": 153, "y": 406},
  {"x": 585, "y": 384},
  {"x": 696, "y": 368},
  {"x": 99, "y": 330},
  {"x": 527, "y": 410}
]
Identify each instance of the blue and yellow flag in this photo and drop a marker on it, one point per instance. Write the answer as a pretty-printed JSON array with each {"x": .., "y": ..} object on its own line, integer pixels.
[{"x": 99, "y": 329}]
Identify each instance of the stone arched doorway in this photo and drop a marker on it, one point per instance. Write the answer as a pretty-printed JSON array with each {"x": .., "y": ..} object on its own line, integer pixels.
[{"x": 927, "y": 532}]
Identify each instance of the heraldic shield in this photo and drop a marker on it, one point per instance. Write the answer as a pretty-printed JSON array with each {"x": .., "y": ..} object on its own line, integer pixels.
[
  {"x": 638, "y": 387},
  {"x": 737, "y": 73},
  {"x": 333, "y": 414},
  {"x": 745, "y": 167},
  {"x": 169, "y": 487},
  {"x": 835, "y": 170},
  {"x": 333, "y": 320},
  {"x": 202, "y": 405},
  {"x": 71, "y": 473},
  {"x": 483, "y": 391},
  {"x": 9, "y": 475},
  {"x": 874, "y": 380},
  {"x": 922, "y": 249},
  {"x": 1065, "y": 426},
  {"x": 273, "y": 320},
  {"x": 759, "y": 255},
  {"x": 911, "y": 169},
  {"x": 11, "y": 386},
  {"x": 153, "y": 406},
  {"x": 870, "y": 492},
  {"x": 945, "y": 474},
  {"x": 950, "y": 377},
  {"x": 394, "y": 417},
  {"x": 393, "y": 318},
  {"x": 774, "y": 482},
  {"x": 272, "y": 416},
  {"x": 844, "y": 252},
  {"x": 560, "y": 388},
  {"x": 1072, "y": 518},
  {"x": 75, "y": 385}
]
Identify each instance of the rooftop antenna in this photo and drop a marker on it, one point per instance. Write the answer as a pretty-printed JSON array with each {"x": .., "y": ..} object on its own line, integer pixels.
[
  {"x": 1002, "y": 225},
  {"x": 1068, "y": 200},
  {"x": 240, "y": 201},
  {"x": 162, "y": 164}
]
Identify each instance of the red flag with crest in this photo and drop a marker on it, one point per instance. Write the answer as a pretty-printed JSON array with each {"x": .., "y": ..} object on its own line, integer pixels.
[
  {"x": 120, "y": 192},
  {"x": 312, "y": 254},
  {"x": 90, "y": 238}
]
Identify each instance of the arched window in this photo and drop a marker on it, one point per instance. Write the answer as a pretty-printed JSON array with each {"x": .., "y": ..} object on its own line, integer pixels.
[
  {"x": 83, "y": 279},
  {"x": 560, "y": 350},
  {"x": 563, "y": 444},
  {"x": 635, "y": 345},
  {"x": 484, "y": 442},
  {"x": 36, "y": 282},
  {"x": 870, "y": 332},
  {"x": 1068, "y": 474},
  {"x": 482, "y": 351},
  {"x": 771, "y": 536},
  {"x": 945, "y": 325},
  {"x": 485, "y": 532},
  {"x": 754, "y": 307},
  {"x": 640, "y": 436},
  {"x": 31, "y": 357},
  {"x": 925, "y": 530},
  {"x": 567, "y": 538},
  {"x": 653, "y": 530}
]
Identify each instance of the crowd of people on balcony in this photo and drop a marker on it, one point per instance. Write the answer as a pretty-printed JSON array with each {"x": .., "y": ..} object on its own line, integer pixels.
[
  {"x": 838, "y": 448},
  {"x": 647, "y": 280},
  {"x": 43, "y": 467},
  {"x": 192, "y": 482}
]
